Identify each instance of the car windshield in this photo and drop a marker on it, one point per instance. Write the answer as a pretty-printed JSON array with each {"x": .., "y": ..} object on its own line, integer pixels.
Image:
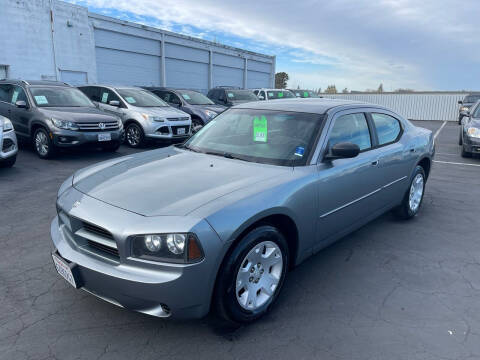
[
  {"x": 241, "y": 95},
  {"x": 195, "y": 98},
  {"x": 279, "y": 94},
  {"x": 305, "y": 94},
  {"x": 263, "y": 136},
  {"x": 56, "y": 96},
  {"x": 471, "y": 98},
  {"x": 141, "y": 98}
]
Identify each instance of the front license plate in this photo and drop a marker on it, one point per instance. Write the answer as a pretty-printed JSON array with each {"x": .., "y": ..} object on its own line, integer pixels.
[
  {"x": 104, "y": 137},
  {"x": 181, "y": 131},
  {"x": 63, "y": 268}
]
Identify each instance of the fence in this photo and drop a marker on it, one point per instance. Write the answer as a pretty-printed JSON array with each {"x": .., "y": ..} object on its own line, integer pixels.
[{"x": 417, "y": 106}]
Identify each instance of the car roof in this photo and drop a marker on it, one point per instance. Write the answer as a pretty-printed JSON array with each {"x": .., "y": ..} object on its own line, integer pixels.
[
  {"x": 307, "y": 105},
  {"x": 35, "y": 82},
  {"x": 115, "y": 86}
]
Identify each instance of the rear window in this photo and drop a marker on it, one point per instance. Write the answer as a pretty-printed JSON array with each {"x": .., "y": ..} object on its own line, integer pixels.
[{"x": 388, "y": 128}]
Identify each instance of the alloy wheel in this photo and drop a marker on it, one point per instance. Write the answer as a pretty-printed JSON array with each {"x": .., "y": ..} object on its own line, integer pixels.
[
  {"x": 416, "y": 192},
  {"x": 133, "y": 135},
  {"x": 196, "y": 125},
  {"x": 41, "y": 143},
  {"x": 259, "y": 275}
]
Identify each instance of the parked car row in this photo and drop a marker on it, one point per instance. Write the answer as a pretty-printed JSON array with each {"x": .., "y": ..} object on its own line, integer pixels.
[
  {"x": 469, "y": 138},
  {"x": 54, "y": 115}
]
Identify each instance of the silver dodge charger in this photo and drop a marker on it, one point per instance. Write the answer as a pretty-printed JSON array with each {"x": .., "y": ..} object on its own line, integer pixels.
[{"x": 218, "y": 221}]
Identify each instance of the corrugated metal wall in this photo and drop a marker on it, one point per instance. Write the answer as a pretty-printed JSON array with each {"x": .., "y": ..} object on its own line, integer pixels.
[{"x": 421, "y": 106}]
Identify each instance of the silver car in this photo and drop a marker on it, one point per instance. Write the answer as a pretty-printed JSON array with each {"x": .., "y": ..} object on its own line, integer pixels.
[
  {"x": 8, "y": 143},
  {"x": 259, "y": 189},
  {"x": 144, "y": 115}
]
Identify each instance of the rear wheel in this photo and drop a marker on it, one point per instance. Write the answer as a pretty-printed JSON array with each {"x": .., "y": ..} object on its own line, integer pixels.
[
  {"x": 252, "y": 276},
  {"x": 414, "y": 196},
  {"x": 134, "y": 135},
  {"x": 43, "y": 144},
  {"x": 460, "y": 140}
]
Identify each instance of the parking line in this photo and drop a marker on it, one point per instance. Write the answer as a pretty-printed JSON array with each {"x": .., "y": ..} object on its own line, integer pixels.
[
  {"x": 455, "y": 163},
  {"x": 440, "y": 129}
]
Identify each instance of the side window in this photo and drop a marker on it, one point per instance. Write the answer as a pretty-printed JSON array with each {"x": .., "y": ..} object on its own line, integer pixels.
[
  {"x": 162, "y": 95},
  {"x": 211, "y": 94},
  {"x": 262, "y": 95},
  {"x": 18, "y": 94},
  {"x": 256, "y": 92},
  {"x": 174, "y": 99},
  {"x": 107, "y": 95},
  {"x": 388, "y": 128},
  {"x": 351, "y": 128},
  {"x": 6, "y": 92},
  {"x": 221, "y": 95}
]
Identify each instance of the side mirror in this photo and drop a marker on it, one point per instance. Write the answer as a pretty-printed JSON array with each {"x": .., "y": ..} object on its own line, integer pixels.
[
  {"x": 460, "y": 102},
  {"x": 115, "y": 103},
  {"x": 344, "y": 150},
  {"x": 21, "y": 104}
]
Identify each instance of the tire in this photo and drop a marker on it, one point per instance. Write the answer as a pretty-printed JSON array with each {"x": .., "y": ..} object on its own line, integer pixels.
[
  {"x": 134, "y": 135},
  {"x": 460, "y": 140},
  {"x": 43, "y": 144},
  {"x": 409, "y": 208},
  {"x": 465, "y": 154},
  {"x": 197, "y": 124},
  {"x": 8, "y": 163},
  {"x": 239, "y": 276},
  {"x": 111, "y": 147}
]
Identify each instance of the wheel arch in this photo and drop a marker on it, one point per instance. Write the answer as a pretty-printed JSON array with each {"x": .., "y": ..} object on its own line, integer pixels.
[
  {"x": 426, "y": 164},
  {"x": 35, "y": 124}
]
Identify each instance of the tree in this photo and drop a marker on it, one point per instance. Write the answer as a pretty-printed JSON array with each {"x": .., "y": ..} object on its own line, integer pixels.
[
  {"x": 281, "y": 79},
  {"x": 345, "y": 91},
  {"x": 380, "y": 88},
  {"x": 331, "y": 89}
]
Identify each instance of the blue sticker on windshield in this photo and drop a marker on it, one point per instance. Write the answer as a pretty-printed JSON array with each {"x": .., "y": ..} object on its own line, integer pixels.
[{"x": 299, "y": 151}]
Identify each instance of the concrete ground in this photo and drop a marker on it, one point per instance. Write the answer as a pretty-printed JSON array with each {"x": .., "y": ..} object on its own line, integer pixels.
[{"x": 392, "y": 290}]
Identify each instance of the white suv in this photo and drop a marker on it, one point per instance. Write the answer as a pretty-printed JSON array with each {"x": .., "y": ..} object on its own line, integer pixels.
[
  {"x": 273, "y": 94},
  {"x": 144, "y": 115},
  {"x": 8, "y": 143}
]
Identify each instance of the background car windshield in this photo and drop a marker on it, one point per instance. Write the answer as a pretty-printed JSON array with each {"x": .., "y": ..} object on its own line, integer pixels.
[
  {"x": 471, "y": 98},
  {"x": 195, "y": 98},
  {"x": 241, "y": 95},
  {"x": 305, "y": 94},
  {"x": 59, "y": 97},
  {"x": 279, "y": 94},
  {"x": 270, "y": 137},
  {"x": 141, "y": 98}
]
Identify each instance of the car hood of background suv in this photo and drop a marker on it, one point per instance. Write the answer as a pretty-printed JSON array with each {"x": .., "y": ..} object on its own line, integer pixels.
[
  {"x": 169, "y": 181},
  {"x": 77, "y": 114}
]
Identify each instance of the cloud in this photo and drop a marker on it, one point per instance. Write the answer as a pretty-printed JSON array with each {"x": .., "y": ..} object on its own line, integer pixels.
[{"x": 354, "y": 44}]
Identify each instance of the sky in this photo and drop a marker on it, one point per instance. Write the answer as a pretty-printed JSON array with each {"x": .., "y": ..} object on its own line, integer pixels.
[{"x": 355, "y": 44}]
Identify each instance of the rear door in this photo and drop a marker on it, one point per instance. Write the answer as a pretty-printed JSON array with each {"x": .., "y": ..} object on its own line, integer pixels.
[{"x": 348, "y": 189}]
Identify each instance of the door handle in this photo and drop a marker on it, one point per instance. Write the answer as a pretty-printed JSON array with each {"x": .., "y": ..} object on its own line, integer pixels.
[
  {"x": 375, "y": 163},
  {"x": 412, "y": 150}
]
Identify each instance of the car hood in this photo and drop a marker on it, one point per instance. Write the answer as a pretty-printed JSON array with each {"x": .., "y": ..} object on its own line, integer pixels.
[
  {"x": 216, "y": 108},
  {"x": 164, "y": 111},
  {"x": 77, "y": 114},
  {"x": 169, "y": 181}
]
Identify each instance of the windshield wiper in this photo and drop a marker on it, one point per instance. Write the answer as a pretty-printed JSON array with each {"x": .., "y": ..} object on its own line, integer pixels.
[
  {"x": 225, "y": 155},
  {"x": 183, "y": 146}
]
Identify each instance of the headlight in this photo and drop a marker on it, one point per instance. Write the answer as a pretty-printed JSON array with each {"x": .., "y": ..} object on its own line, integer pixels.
[
  {"x": 153, "y": 118},
  {"x": 210, "y": 114},
  {"x": 473, "y": 132},
  {"x": 464, "y": 108},
  {"x": 182, "y": 248},
  {"x": 63, "y": 124},
  {"x": 7, "y": 125}
]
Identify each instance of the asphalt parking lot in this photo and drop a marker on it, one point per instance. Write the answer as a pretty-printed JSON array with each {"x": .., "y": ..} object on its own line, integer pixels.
[{"x": 392, "y": 290}]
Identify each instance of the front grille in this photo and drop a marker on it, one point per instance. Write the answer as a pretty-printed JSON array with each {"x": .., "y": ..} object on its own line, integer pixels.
[
  {"x": 96, "y": 126},
  {"x": 103, "y": 248},
  {"x": 7, "y": 145},
  {"x": 175, "y": 130},
  {"x": 178, "y": 119},
  {"x": 97, "y": 230}
]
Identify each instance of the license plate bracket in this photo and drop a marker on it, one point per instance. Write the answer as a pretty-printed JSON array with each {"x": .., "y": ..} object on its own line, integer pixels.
[
  {"x": 180, "y": 131},
  {"x": 105, "y": 137},
  {"x": 67, "y": 270}
]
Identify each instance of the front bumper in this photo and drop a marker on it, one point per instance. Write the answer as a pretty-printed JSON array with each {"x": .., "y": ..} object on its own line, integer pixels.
[
  {"x": 169, "y": 130},
  {"x": 158, "y": 289},
  {"x": 8, "y": 144},
  {"x": 471, "y": 145},
  {"x": 69, "y": 138}
]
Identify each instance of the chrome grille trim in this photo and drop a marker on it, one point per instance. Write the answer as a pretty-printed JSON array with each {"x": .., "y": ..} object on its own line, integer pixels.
[
  {"x": 95, "y": 126},
  {"x": 178, "y": 119}
]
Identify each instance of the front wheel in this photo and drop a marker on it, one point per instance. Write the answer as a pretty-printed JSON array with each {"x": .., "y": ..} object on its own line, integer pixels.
[
  {"x": 252, "y": 276},
  {"x": 43, "y": 144},
  {"x": 134, "y": 135},
  {"x": 197, "y": 124},
  {"x": 466, "y": 154},
  {"x": 413, "y": 198}
]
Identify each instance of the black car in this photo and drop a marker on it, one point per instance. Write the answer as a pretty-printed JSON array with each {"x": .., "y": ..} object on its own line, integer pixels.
[
  {"x": 466, "y": 104},
  {"x": 56, "y": 115},
  {"x": 470, "y": 132},
  {"x": 231, "y": 96},
  {"x": 200, "y": 108}
]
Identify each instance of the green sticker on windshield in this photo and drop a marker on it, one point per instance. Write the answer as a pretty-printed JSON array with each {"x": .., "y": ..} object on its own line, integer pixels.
[
  {"x": 16, "y": 92},
  {"x": 280, "y": 94},
  {"x": 41, "y": 100},
  {"x": 305, "y": 94},
  {"x": 186, "y": 96},
  {"x": 260, "y": 129},
  {"x": 104, "y": 97},
  {"x": 130, "y": 100}
]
